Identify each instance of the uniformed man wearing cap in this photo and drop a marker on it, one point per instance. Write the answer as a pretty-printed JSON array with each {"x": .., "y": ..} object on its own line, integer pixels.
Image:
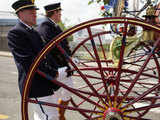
[
  {"x": 49, "y": 29},
  {"x": 25, "y": 44}
]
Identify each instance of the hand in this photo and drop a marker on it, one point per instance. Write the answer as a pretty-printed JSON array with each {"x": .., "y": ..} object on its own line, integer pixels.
[
  {"x": 69, "y": 71},
  {"x": 62, "y": 73}
]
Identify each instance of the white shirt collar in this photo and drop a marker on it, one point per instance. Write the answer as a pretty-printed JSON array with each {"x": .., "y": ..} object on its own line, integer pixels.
[
  {"x": 53, "y": 21},
  {"x": 25, "y": 24}
]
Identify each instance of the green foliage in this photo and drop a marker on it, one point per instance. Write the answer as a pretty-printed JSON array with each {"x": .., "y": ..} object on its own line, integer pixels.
[
  {"x": 105, "y": 2},
  {"x": 63, "y": 27},
  {"x": 90, "y": 2},
  {"x": 98, "y": 1}
]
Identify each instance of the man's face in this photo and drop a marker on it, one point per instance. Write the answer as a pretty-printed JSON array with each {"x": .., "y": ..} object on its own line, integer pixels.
[
  {"x": 57, "y": 16},
  {"x": 28, "y": 16}
]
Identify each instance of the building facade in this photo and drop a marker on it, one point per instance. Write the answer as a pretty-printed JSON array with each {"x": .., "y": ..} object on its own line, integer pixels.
[{"x": 5, "y": 26}]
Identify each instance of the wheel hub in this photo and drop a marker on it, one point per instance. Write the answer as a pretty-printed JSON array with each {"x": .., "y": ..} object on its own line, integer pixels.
[
  {"x": 111, "y": 79},
  {"x": 112, "y": 114}
]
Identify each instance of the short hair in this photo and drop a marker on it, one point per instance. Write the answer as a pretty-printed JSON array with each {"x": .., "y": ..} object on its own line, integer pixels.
[{"x": 49, "y": 14}]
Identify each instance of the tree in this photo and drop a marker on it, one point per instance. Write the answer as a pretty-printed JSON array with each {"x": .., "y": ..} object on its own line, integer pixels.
[
  {"x": 99, "y": 1},
  {"x": 64, "y": 27}
]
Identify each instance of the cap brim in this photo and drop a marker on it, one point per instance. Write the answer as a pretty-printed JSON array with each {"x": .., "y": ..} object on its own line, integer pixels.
[
  {"x": 33, "y": 7},
  {"x": 27, "y": 7}
]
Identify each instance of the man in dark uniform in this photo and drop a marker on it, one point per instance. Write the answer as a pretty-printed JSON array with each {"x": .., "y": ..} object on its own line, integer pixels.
[
  {"x": 49, "y": 29},
  {"x": 25, "y": 44}
]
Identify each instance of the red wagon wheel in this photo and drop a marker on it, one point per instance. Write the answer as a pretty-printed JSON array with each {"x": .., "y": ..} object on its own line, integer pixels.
[{"x": 102, "y": 89}]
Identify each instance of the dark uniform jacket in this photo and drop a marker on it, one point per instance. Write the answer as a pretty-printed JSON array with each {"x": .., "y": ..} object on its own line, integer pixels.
[
  {"x": 25, "y": 44},
  {"x": 49, "y": 30}
]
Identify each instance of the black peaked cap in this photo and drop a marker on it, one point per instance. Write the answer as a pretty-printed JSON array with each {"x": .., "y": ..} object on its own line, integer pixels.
[
  {"x": 23, "y": 4},
  {"x": 52, "y": 7}
]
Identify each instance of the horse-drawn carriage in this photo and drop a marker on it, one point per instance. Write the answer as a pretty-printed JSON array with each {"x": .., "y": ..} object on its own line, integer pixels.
[{"x": 119, "y": 83}]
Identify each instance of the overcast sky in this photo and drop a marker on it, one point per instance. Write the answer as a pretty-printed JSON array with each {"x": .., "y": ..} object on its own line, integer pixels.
[{"x": 75, "y": 11}]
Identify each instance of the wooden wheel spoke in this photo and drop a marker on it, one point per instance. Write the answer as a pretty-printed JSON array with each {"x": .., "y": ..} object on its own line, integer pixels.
[{"x": 104, "y": 83}]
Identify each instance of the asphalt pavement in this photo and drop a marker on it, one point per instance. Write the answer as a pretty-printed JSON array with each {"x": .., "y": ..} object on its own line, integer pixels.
[
  {"x": 10, "y": 101},
  {"x": 9, "y": 93}
]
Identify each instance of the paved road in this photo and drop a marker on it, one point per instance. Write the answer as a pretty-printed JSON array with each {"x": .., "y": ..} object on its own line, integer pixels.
[
  {"x": 9, "y": 93},
  {"x": 10, "y": 97}
]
